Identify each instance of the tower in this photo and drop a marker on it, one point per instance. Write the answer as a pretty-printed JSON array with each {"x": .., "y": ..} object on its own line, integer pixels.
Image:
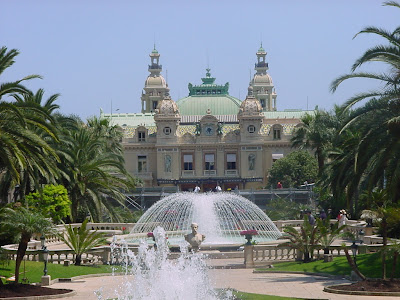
[
  {"x": 155, "y": 85},
  {"x": 263, "y": 88}
]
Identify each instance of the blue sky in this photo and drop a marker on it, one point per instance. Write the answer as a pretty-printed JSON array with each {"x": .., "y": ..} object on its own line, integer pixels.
[{"x": 96, "y": 52}]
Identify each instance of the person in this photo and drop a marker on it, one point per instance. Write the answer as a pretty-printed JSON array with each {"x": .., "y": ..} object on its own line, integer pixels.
[
  {"x": 279, "y": 185},
  {"x": 194, "y": 238},
  {"x": 218, "y": 188},
  {"x": 342, "y": 218},
  {"x": 322, "y": 215},
  {"x": 311, "y": 218},
  {"x": 197, "y": 189}
]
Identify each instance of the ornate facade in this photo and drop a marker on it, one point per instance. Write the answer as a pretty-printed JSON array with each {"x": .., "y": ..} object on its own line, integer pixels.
[{"x": 208, "y": 138}]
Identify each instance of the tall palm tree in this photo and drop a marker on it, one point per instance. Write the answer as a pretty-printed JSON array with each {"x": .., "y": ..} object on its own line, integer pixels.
[
  {"x": 376, "y": 155},
  {"x": 39, "y": 115},
  {"x": 316, "y": 133},
  {"x": 6, "y": 61},
  {"x": 24, "y": 224},
  {"x": 22, "y": 148},
  {"x": 93, "y": 174}
]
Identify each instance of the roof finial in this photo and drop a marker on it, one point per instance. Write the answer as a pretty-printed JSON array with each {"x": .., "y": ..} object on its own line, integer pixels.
[{"x": 208, "y": 74}]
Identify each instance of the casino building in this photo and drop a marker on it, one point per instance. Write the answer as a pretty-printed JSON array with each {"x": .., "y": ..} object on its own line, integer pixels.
[{"x": 208, "y": 138}]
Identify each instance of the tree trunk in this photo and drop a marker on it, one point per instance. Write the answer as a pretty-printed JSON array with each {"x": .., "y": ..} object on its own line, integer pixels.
[
  {"x": 78, "y": 259},
  {"x": 23, "y": 245},
  {"x": 353, "y": 265},
  {"x": 395, "y": 256},
  {"x": 320, "y": 160},
  {"x": 384, "y": 235}
]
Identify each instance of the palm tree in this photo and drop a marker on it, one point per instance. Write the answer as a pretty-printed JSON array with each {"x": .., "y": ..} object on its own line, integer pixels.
[
  {"x": 316, "y": 133},
  {"x": 374, "y": 160},
  {"x": 305, "y": 241},
  {"x": 22, "y": 148},
  {"x": 80, "y": 240},
  {"x": 93, "y": 174},
  {"x": 24, "y": 224},
  {"x": 7, "y": 60},
  {"x": 329, "y": 233}
]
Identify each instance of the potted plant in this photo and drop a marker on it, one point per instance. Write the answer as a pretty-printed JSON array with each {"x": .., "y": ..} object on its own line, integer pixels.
[{"x": 249, "y": 235}]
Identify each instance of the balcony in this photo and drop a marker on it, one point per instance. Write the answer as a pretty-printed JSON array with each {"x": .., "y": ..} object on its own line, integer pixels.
[
  {"x": 187, "y": 173},
  {"x": 261, "y": 65},
  {"x": 210, "y": 172},
  {"x": 155, "y": 67},
  {"x": 231, "y": 173},
  {"x": 144, "y": 175}
]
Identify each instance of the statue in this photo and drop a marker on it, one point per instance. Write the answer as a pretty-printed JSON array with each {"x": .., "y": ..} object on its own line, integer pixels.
[
  {"x": 252, "y": 162},
  {"x": 195, "y": 238},
  {"x": 167, "y": 163},
  {"x": 198, "y": 128},
  {"x": 219, "y": 128}
]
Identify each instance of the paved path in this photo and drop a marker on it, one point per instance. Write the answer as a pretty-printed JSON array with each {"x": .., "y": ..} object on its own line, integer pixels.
[{"x": 289, "y": 285}]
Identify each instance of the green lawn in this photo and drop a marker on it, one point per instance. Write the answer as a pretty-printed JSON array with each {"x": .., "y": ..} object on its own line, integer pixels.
[
  {"x": 369, "y": 265},
  {"x": 34, "y": 270},
  {"x": 248, "y": 296}
]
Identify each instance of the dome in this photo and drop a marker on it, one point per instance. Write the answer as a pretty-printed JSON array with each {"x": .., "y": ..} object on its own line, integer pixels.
[
  {"x": 262, "y": 79},
  {"x": 155, "y": 81},
  {"x": 167, "y": 107},
  {"x": 218, "y": 104},
  {"x": 250, "y": 106}
]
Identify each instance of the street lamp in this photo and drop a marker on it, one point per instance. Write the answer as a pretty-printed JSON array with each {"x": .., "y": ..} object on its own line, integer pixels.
[
  {"x": 361, "y": 235},
  {"x": 45, "y": 254},
  {"x": 354, "y": 248}
]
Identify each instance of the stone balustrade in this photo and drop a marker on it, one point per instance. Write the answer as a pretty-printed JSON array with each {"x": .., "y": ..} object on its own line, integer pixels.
[{"x": 99, "y": 255}]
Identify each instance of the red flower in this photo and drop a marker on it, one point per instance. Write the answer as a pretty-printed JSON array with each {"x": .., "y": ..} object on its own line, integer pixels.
[
  {"x": 123, "y": 228},
  {"x": 249, "y": 232}
]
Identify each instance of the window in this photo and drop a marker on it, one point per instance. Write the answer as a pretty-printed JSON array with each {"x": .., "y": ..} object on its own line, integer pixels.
[
  {"x": 276, "y": 156},
  {"x": 167, "y": 130},
  {"x": 142, "y": 136},
  {"x": 155, "y": 103},
  {"x": 142, "y": 163},
  {"x": 188, "y": 161},
  {"x": 251, "y": 129},
  {"x": 209, "y": 160},
  {"x": 262, "y": 101},
  {"x": 277, "y": 133},
  {"x": 231, "y": 161}
]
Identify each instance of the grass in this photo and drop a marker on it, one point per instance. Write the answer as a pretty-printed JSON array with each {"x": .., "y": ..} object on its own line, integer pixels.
[
  {"x": 249, "y": 296},
  {"x": 369, "y": 265},
  {"x": 34, "y": 270}
]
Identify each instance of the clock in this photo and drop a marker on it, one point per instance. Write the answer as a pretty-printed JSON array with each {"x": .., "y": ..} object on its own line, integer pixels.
[{"x": 208, "y": 130}]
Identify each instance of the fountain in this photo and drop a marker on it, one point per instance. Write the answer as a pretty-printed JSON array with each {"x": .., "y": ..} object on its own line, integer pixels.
[
  {"x": 150, "y": 275},
  {"x": 221, "y": 217}
]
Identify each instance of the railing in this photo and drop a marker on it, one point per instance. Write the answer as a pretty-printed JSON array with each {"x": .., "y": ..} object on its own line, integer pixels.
[
  {"x": 210, "y": 172},
  {"x": 95, "y": 256},
  {"x": 231, "y": 172},
  {"x": 273, "y": 253},
  {"x": 144, "y": 175},
  {"x": 263, "y": 254},
  {"x": 187, "y": 173}
]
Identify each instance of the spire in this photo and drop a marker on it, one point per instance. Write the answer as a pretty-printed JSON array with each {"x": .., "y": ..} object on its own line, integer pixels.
[
  {"x": 155, "y": 68},
  {"x": 208, "y": 79},
  {"x": 261, "y": 66},
  {"x": 154, "y": 49}
]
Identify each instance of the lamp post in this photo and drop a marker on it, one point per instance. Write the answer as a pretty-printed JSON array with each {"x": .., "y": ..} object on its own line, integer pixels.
[
  {"x": 354, "y": 248},
  {"x": 45, "y": 278}
]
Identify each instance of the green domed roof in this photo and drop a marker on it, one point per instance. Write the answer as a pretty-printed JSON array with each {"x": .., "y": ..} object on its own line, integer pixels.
[
  {"x": 218, "y": 105},
  {"x": 209, "y": 96},
  {"x": 261, "y": 49}
]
